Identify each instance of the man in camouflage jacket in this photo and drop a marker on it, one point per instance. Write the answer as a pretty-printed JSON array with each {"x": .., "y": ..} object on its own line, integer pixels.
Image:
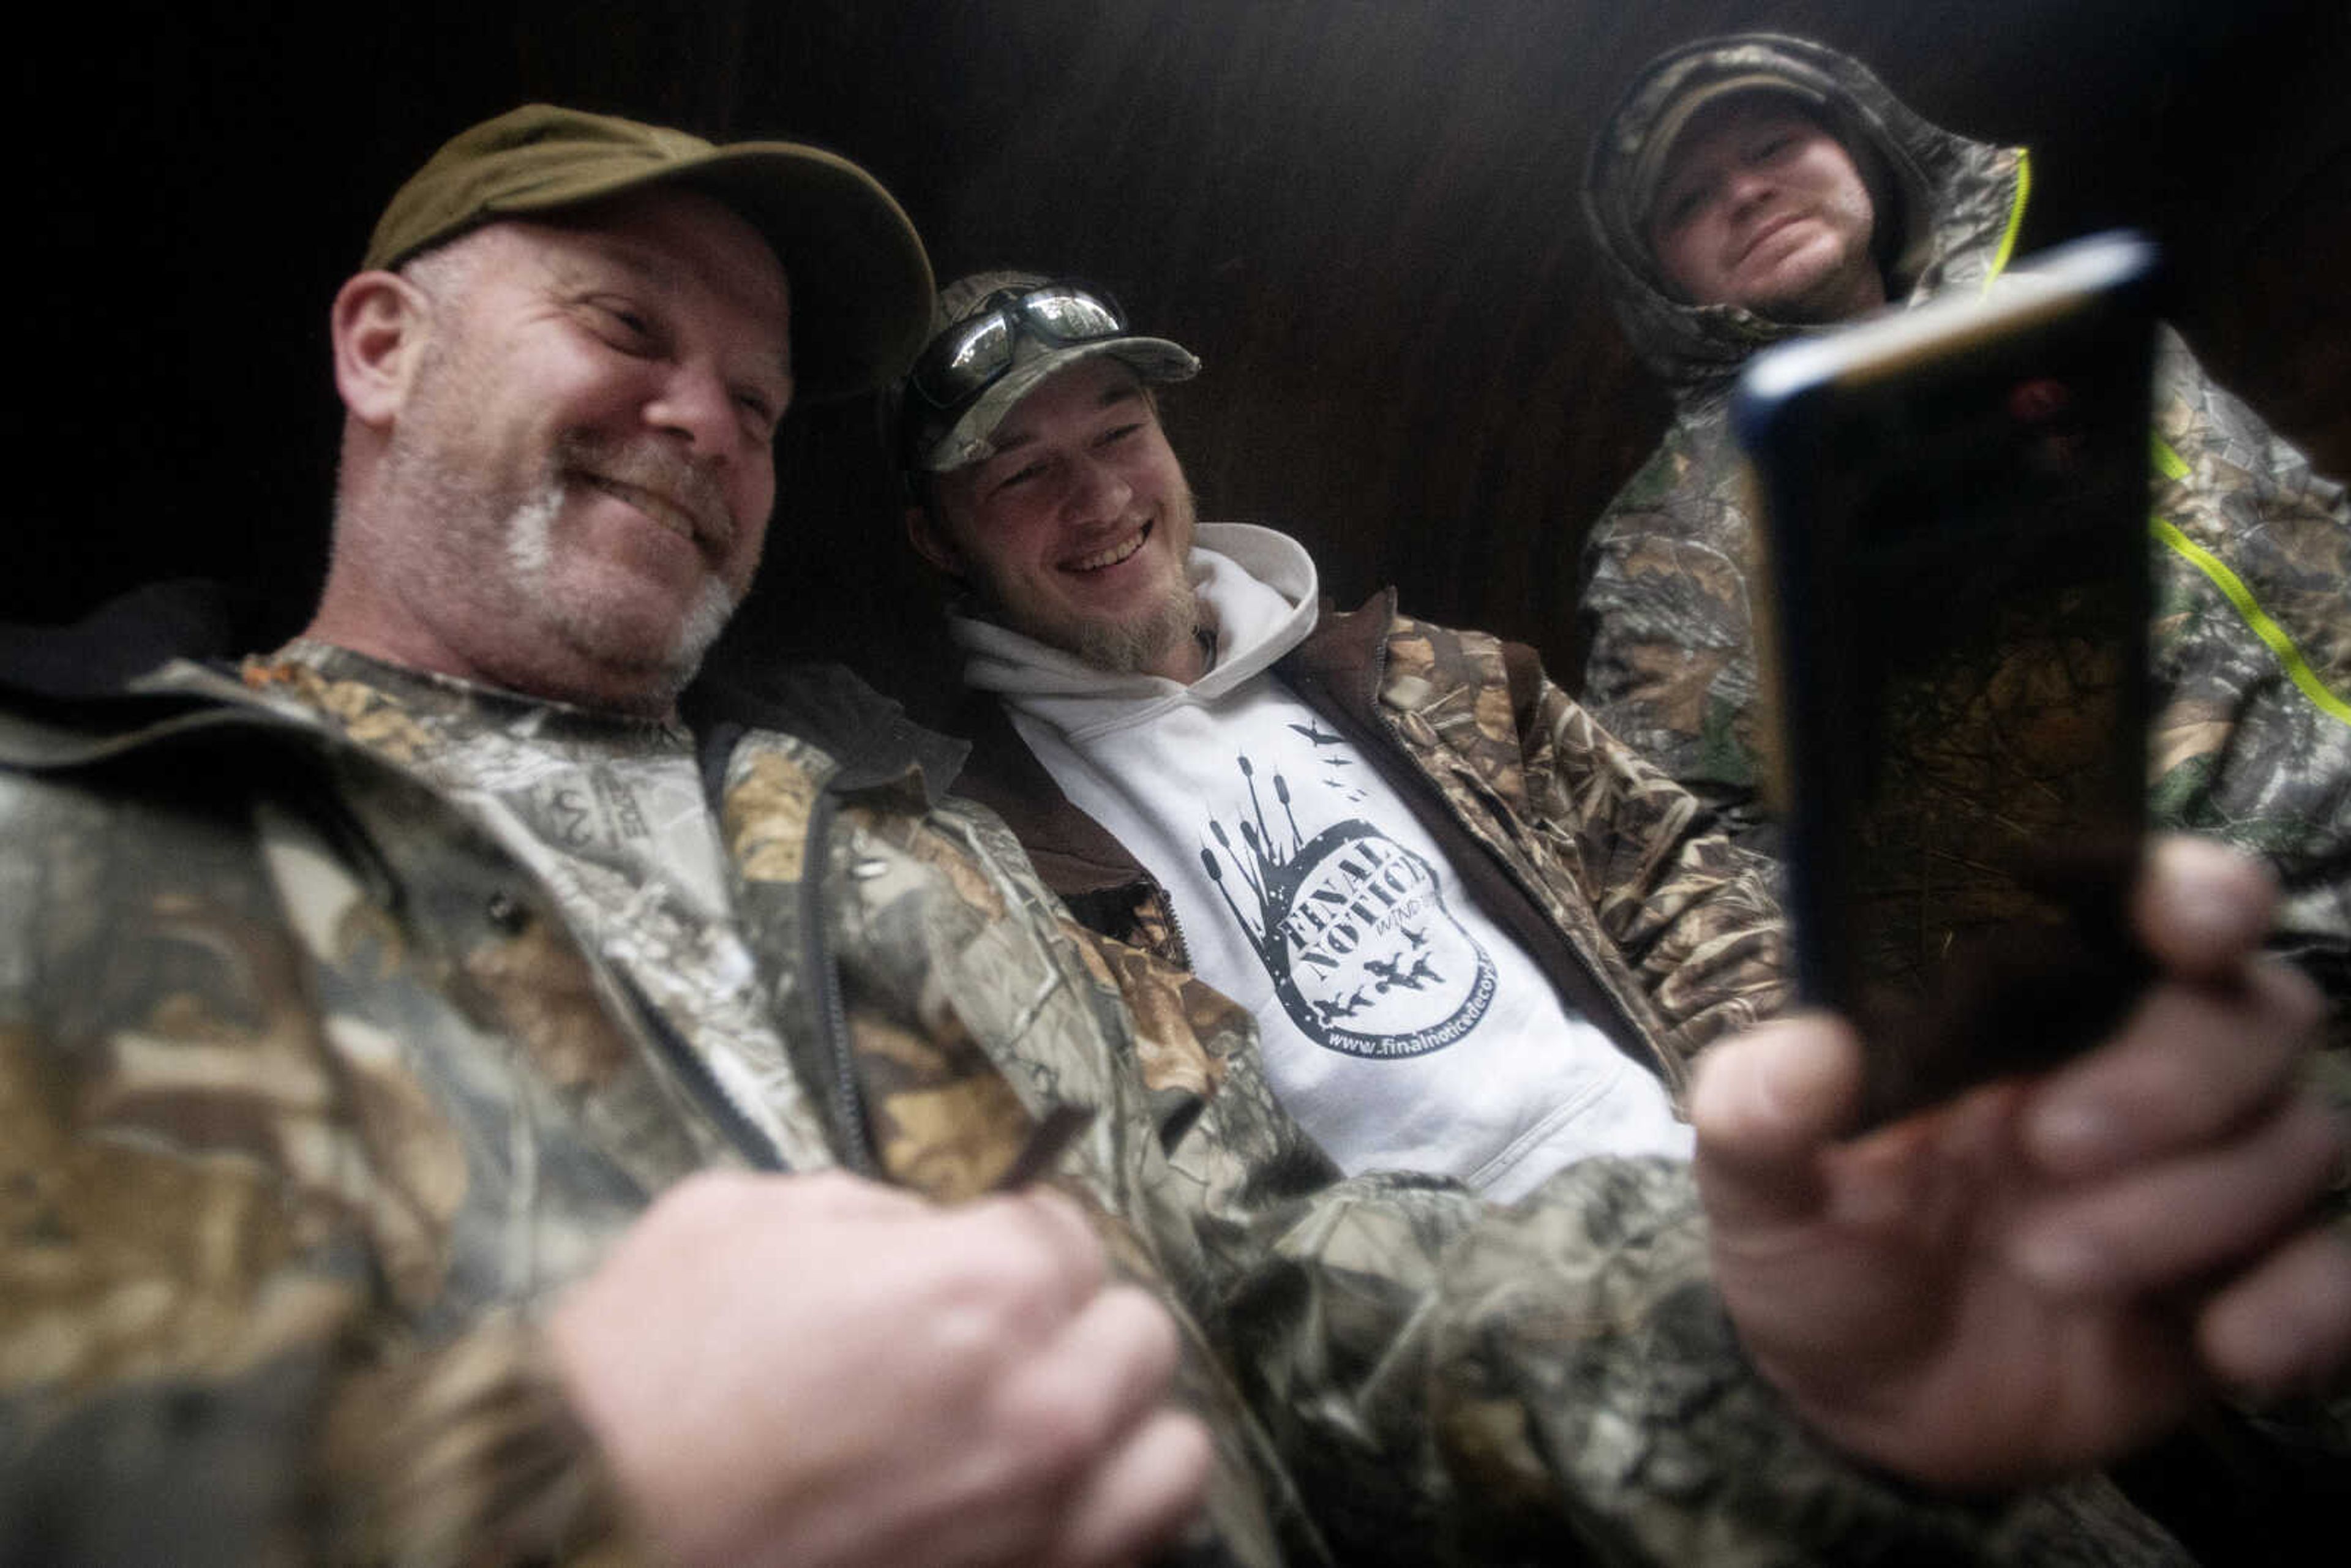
[
  {"x": 2251, "y": 639},
  {"x": 391, "y": 1080}
]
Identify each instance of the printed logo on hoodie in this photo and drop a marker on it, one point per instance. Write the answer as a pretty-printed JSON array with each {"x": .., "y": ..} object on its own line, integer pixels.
[{"x": 1352, "y": 929}]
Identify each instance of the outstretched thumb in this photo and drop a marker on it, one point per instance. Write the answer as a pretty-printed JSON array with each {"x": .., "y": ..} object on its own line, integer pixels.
[{"x": 1765, "y": 1106}]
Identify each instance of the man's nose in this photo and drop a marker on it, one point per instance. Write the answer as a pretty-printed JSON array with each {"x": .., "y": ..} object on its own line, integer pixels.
[
  {"x": 1100, "y": 490},
  {"x": 694, "y": 401},
  {"x": 1745, "y": 187}
]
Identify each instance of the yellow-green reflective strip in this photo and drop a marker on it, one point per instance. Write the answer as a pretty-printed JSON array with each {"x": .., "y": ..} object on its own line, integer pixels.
[
  {"x": 2171, "y": 465},
  {"x": 2015, "y": 217},
  {"x": 2168, "y": 463},
  {"x": 2234, "y": 589}
]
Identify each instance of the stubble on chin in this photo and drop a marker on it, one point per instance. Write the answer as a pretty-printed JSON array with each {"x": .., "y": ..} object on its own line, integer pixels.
[
  {"x": 474, "y": 549},
  {"x": 712, "y": 609},
  {"x": 1118, "y": 647},
  {"x": 530, "y": 554},
  {"x": 1133, "y": 646}
]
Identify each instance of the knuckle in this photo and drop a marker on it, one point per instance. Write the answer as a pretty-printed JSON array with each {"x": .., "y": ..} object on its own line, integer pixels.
[
  {"x": 975, "y": 1332},
  {"x": 991, "y": 1310},
  {"x": 1022, "y": 1275},
  {"x": 1153, "y": 1343},
  {"x": 1189, "y": 1451},
  {"x": 1159, "y": 1473},
  {"x": 1050, "y": 1237},
  {"x": 1053, "y": 1428},
  {"x": 2292, "y": 997},
  {"x": 1062, "y": 1224}
]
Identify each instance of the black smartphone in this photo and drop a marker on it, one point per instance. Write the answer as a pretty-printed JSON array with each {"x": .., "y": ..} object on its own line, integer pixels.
[{"x": 1952, "y": 612}]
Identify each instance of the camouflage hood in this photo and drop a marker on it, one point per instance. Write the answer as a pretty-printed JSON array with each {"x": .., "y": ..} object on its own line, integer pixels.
[
  {"x": 2249, "y": 643},
  {"x": 1947, "y": 205}
]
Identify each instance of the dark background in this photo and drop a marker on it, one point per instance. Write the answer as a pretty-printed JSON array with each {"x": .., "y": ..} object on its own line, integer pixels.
[{"x": 1360, "y": 214}]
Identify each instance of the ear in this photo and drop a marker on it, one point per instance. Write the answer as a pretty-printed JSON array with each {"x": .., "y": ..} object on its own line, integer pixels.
[
  {"x": 380, "y": 324},
  {"x": 931, "y": 542}
]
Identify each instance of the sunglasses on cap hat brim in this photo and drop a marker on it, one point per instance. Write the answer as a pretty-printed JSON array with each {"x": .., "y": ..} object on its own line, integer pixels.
[{"x": 974, "y": 353}]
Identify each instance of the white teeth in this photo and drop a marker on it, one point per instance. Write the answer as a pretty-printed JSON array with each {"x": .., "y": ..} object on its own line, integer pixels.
[
  {"x": 658, "y": 507},
  {"x": 1112, "y": 556}
]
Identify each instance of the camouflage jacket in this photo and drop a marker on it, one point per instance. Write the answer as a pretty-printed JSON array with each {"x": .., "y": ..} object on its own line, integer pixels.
[
  {"x": 309, "y": 1098},
  {"x": 1661, "y": 934},
  {"x": 2252, "y": 641}
]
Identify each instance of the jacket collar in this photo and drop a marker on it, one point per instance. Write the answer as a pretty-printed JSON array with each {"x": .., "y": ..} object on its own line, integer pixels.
[
  {"x": 55, "y": 715},
  {"x": 1347, "y": 653},
  {"x": 869, "y": 735}
]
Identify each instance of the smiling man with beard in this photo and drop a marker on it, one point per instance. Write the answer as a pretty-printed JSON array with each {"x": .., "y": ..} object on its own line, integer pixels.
[
  {"x": 412, "y": 1063},
  {"x": 557, "y": 475},
  {"x": 1759, "y": 206},
  {"x": 1201, "y": 757}
]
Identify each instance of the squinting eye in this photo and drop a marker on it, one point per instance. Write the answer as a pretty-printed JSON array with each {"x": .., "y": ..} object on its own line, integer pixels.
[{"x": 627, "y": 329}]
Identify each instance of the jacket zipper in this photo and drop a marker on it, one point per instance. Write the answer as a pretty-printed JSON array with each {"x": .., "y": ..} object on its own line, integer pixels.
[
  {"x": 1175, "y": 921},
  {"x": 718, "y": 1101},
  {"x": 822, "y": 967}
]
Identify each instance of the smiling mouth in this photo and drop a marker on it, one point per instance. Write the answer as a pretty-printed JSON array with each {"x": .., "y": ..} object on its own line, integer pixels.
[
  {"x": 1772, "y": 226},
  {"x": 1111, "y": 557},
  {"x": 676, "y": 518}
]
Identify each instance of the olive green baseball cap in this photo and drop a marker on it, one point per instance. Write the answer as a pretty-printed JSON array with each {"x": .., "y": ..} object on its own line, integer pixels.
[{"x": 860, "y": 282}]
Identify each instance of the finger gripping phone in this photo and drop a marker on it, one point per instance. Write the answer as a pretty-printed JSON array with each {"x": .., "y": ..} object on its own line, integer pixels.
[{"x": 1952, "y": 507}]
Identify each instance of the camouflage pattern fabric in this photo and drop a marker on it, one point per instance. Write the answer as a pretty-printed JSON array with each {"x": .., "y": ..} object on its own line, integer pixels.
[
  {"x": 609, "y": 812},
  {"x": 1679, "y": 924},
  {"x": 2245, "y": 747},
  {"x": 312, "y": 1093}
]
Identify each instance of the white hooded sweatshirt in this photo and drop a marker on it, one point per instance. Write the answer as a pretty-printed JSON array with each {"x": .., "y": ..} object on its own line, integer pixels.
[{"x": 1403, "y": 1029}]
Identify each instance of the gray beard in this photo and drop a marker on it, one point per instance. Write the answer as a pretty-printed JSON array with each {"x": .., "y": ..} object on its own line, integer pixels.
[
  {"x": 523, "y": 591},
  {"x": 530, "y": 554}
]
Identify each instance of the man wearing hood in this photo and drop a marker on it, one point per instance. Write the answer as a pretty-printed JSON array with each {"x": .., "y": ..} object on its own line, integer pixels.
[
  {"x": 1751, "y": 189},
  {"x": 1480, "y": 938}
]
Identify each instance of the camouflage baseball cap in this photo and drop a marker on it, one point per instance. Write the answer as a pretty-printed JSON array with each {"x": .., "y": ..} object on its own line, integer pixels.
[
  {"x": 860, "y": 283},
  {"x": 1651, "y": 159},
  {"x": 937, "y": 435}
]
